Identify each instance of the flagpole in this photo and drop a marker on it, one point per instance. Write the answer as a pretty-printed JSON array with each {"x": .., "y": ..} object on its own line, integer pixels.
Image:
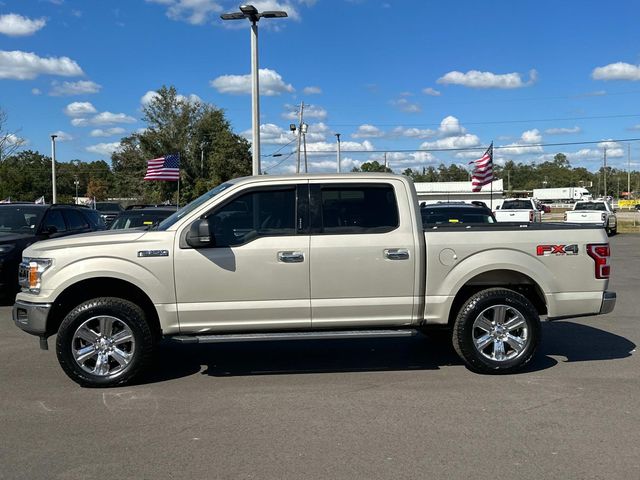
[
  {"x": 491, "y": 192},
  {"x": 178, "y": 199}
]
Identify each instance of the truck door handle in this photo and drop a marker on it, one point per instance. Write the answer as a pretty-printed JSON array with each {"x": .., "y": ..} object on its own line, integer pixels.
[
  {"x": 396, "y": 253},
  {"x": 290, "y": 257}
]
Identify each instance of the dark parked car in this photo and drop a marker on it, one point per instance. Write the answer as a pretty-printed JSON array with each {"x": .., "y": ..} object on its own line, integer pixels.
[
  {"x": 22, "y": 224},
  {"x": 141, "y": 217},
  {"x": 455, "y": 214},
  {"x": 109, "y": 211}
]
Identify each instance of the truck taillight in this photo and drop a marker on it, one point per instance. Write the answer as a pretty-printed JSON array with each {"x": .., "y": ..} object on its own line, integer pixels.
[
  {"x": 531, "y": 216},
  {"x": 600, "y": 252},
  {"x": 565, "y": 216}
]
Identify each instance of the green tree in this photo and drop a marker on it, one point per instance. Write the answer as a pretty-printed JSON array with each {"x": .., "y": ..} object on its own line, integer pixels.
[
  {"x": 373, "y": 166},
  {"x": 210, "y": 153}
]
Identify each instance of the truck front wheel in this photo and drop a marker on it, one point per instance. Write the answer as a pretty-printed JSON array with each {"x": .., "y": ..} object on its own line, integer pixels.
[
  {"x": 104, "y": 342},
  {"x": 497, "y": 331}
]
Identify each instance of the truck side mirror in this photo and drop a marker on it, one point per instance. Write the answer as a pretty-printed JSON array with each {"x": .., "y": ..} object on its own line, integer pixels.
[{"x": 200, "y": 235}]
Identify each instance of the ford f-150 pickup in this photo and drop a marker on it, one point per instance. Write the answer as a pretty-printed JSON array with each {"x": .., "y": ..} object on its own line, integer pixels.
[
  {"x": 596, "y": 212},
  {"x": 306, "y": 256},
  {"x": 518, "y": 210}
]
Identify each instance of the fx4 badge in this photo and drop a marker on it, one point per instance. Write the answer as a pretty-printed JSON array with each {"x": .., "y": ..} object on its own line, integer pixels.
[{"x": 547, "y": 250}]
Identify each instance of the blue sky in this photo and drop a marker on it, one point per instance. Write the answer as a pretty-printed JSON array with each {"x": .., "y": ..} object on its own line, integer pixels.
[{"x": 389, "y": 76}]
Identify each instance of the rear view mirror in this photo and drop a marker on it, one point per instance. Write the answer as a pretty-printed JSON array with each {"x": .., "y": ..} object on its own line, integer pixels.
[{"x": 200, "y": 235}]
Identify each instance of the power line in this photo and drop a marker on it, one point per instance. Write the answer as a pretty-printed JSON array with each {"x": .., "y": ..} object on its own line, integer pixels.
[
  {"x": 496, "y": 122},
  {"x": 472, "y": 149}
]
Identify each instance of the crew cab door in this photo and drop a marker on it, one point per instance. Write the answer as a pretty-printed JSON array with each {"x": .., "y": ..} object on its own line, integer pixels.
[
  {"x": 256, "y": 275},
  {"x": 363, "y": 255}
]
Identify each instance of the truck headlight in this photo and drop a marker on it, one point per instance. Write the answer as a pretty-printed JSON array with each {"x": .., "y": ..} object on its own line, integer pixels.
[{"x": 30, "y": 273}]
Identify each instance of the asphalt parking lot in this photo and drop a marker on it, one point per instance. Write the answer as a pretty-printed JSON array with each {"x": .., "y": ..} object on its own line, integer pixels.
[{"x": 393, "y": 409}]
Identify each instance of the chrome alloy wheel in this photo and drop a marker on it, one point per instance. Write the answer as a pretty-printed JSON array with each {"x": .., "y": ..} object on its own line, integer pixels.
[
  {"x": 500, "y": 333},
  {"x": 103, "y": 345}
]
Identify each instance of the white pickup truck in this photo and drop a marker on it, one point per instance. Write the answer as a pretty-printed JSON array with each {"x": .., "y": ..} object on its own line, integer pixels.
[
  {"x": 520, "y": 210},
  {"x": 306, "y": 256},
  {"x": 596, "y": 212}
]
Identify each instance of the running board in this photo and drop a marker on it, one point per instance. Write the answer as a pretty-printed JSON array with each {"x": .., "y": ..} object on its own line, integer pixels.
[{"x": 320, "y": 335}]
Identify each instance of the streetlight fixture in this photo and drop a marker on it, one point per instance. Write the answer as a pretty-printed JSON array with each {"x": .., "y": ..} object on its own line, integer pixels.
[
  {"x": 252, "y": 14},
  {"x": 53, "y": 167},
  {"x": 76, "y": 182}
]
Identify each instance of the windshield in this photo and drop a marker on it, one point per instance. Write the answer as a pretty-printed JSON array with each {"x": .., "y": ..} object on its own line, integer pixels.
[
  {"x": 516, "y": 205},
  {"x": 166, "y": 223},
  {"x": 139, "y": 219},
  {"x": 106, "y": 207},
  {"x": 591, "y": 206},
  {"x": 438, "y": 216},
  {"x": 20, "y": 219}
]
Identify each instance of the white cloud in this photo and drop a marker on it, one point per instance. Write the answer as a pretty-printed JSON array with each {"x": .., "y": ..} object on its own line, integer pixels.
[
  {"x": 312, "y": 90},
  {"x": 108, "y": 132},
  {"x": 271, "y": 83},
  {"x": 462, "y": 141},
  {"x": 477, "y": 79},
  {"x": 36, "y": 91},
  {"x": 414, "y": 132},
  {"x": 431, "y": 91},
  {"x": 368, "y": 131},
  {"x": 18, "y": 65},
  {"x": 406, "y": 106},
  {"x": 635, "y": 127},
  {"x": 310, "y": 111},
  {"x": 62, "y": 136},
  {"x": 105, "y": 149},
  {"x": 320, "y": 147},
  {"x": 79, "y": 122},
  {"x": 79, "y": 109},
  {"x": 531, "y": 136},
  {"x": 195, "y": 12},
  {"x": 450, "y": 127},
  {"x": 18, "y": 26},
  {"x": 617, "y": 71},
  {"x": 81, "y": 87},
  {"x": 518, "y": 149},
  {"x": 562, "y": 131},
  {"x": 108, "y": 118},
  {"x": 12, "y": 139},
  {"x": 614, "y": 149}
]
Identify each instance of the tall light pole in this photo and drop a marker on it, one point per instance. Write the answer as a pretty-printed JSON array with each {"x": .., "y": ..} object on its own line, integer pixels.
[
  {"x": 251, "y": 13},
  {"x": 338, "y": 151},
  {"x": 53, "y": 167},
  {"x": 76, "y": 182}
]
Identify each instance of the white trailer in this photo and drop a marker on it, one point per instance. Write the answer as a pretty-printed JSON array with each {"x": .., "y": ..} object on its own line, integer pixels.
[{"x": 565, "y": 194}]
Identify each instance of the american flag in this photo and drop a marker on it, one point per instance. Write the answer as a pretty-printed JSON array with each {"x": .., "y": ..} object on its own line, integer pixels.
[
  {"x": 483, "y": 170},
  {"x": 164, "y": 168}
]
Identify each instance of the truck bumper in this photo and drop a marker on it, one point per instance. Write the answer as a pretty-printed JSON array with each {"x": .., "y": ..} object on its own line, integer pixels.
[
  {"x": 608, "y": 302},
  {"x": 31, "y": 317}
]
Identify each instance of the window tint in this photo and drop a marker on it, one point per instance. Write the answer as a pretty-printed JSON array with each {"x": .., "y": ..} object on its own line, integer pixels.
[
  {"x": 454, "y": 216},
  {"x": 591, "y": 206},
  {"x": 358, "y": 209},
  {"x": 96, "y": 221},
  {"x": 255, "y": 214},
  {"x": 75, "y": 220},
  {"x": 53, "y": 220},
  {"x": 517, "y": 205}
]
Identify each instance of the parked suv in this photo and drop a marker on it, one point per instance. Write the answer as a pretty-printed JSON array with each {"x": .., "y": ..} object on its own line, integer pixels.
[
  {"x": 108, "y": 211},
  {"x": 141, "y": 216},
  {"x": 22, "y": 224}
]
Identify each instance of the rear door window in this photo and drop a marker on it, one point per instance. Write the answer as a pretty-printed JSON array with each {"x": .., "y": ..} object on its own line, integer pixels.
[
  {"x": 76, "y": 221},
  {"x": 54, "y": 222}
]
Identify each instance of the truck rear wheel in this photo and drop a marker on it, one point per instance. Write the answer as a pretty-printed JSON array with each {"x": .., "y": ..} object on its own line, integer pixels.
[
  {"x": 497, "y": 331},
  {"x": 104, "y": 342}
]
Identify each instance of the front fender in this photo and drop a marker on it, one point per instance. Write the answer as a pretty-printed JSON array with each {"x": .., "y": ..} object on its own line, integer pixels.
[{"x": 156, "y": 279}]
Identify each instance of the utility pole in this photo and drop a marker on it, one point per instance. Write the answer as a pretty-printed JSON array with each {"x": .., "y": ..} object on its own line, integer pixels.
[
  {"x": 202, "y": 145},
  {"x": 300, "y": 113},
  {"x": 628, "y": 171},
  {"x": 53, "y": 168},
  {"x": 338, "y": 157},
  {"x": 304, "y": 143},
  {"x": 604, "y": 172},
  {"x": 509, "y": 181},
  {"x": 76, "y": 182}
]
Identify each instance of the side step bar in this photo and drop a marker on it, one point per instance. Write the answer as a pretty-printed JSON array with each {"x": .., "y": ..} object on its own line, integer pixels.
[{"x": 319, "y": 335}]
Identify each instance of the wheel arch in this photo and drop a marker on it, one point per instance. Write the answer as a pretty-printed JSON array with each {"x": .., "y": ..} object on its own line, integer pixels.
[
  {"x": 86, "y": 289},
  {"x": 499, "y": 278}
]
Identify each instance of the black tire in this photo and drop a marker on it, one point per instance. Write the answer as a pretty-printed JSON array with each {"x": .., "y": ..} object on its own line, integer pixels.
[
  {"x": 128, "y": 339},
  {"x": 468, "y": 337}
]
